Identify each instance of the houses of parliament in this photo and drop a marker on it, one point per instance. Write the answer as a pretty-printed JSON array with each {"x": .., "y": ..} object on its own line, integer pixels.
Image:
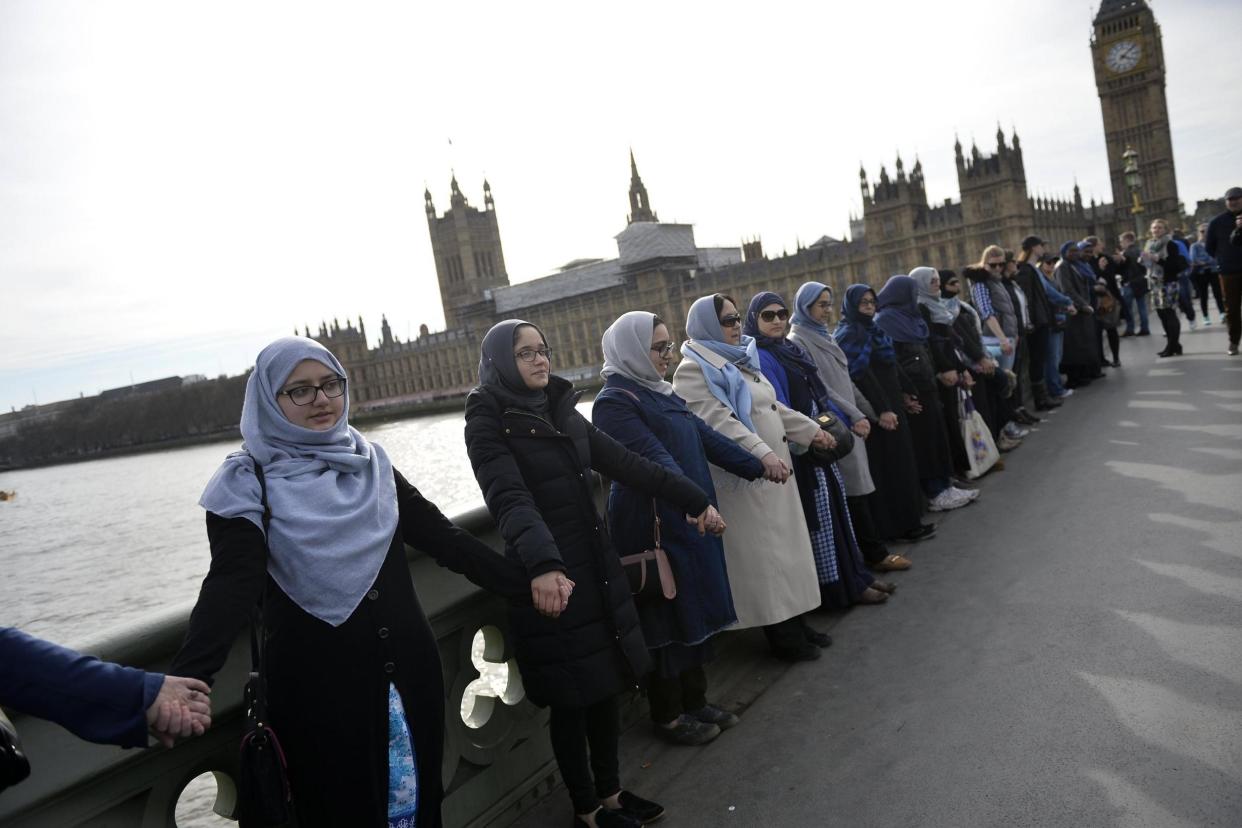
[{"x": 659, "y": 266}]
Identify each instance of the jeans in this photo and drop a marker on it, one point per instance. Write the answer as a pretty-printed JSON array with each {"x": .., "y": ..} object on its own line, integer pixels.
[
  {"x": 1127, "y": 296},
  {"x": 1052, "y": 364},
  {"x": 574, "y": 728},
  {"x": 1185, "y": 298}
]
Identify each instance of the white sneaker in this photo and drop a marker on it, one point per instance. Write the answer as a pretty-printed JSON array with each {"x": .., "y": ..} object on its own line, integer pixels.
[
  {"x": 1207, "y": 321},
  {"x": 969, "y": 494},
  {"x": 946, "y": 501},
  {"x": 1013, "y": 431},
  {"x": 1193, "y": 325}
]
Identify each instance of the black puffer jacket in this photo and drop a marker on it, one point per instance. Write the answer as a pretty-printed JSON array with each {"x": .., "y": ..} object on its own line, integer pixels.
[{"x": 535, "y": 473}]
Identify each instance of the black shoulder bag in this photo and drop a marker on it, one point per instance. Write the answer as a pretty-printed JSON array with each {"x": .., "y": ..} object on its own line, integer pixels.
[
  {"x": 263, "y": 795},
  {"x": 14, "y": 766},
  {"x": 840, "y": 433}
]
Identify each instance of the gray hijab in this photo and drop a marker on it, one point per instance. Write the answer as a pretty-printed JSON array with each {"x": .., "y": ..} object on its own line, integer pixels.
[
  {"x": 498, "y": 366},
  {"x": 627, "y": 343},
  {"x": 930, "y": 299},
  {"x": 332, "y": 493}
]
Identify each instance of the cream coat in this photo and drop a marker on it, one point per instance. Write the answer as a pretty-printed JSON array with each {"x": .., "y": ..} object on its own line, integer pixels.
[{"x": 767, "y": 547}]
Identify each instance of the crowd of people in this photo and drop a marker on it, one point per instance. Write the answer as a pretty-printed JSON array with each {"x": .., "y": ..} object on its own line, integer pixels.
[{"x": 787, "y": 464}]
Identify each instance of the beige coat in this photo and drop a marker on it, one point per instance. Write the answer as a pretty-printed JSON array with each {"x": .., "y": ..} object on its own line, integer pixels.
[{"x": 767, "y": 547}]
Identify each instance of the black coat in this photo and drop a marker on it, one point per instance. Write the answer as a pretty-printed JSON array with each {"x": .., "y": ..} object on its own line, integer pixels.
[
  {"x": 1036, "y": 297},
  {"x": 328, "y": 686},
  {"x": 535, "y": 474}
]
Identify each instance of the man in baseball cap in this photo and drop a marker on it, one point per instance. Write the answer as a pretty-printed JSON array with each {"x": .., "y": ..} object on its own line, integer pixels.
[{"x": 1229, "y": 257}]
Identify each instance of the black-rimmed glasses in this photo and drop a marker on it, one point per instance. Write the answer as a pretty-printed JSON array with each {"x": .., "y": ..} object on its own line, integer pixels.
[
  {"x": 305, "y": 394},
  {"x": 664, "y": 348},
  {"x": 528, "y": 355}
]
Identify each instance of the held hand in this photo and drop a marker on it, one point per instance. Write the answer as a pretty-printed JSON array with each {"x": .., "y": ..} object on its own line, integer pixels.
[
  {"x": 774, "y": 468},
  {"x": 862, "y": 428},
  {"x": 823, "y": 440},
  {"x": 911, "y": 404},
  {"x": 888, "y": 421},
  {"x": 182, "y": 708},
  {"x": 547, "y": 595},
  {"x": 1072, "y": 311},
  {"x": 1088, "y": 309},
  {"x": 709, "y": 521},
  {"x": 968, "y": 380},
  {"x": 947, "y": 378},
  {"x": 1006, "y": 346}
]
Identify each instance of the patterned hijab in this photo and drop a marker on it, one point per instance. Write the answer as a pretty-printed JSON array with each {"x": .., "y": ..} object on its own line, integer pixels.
[
  {"x": 859, "y": 336},
  {"x": 332, "y": 493}
]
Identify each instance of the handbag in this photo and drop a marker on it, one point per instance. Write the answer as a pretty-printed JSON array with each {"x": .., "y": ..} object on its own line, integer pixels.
[
  {"x": 643, "y": 587},
  {"x": 840, "y": 432},
  {"x": 263, "y": 795},
  {"x": 981, "y": 452},
  {"x": 14, "y": 766}
]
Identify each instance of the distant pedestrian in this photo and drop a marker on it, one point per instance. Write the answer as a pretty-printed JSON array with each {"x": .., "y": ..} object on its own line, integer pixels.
[
  {"x": 1221, "y": 243},
  {"x": 1205, "y": 274},
  {"x": 1134, "y": 287},
  {"x": 1165, "y": 259}
]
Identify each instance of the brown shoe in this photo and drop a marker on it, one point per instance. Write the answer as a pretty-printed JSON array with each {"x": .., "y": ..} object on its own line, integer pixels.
[
  {"x": 872, "y": 596},
  {"x": 893, "y": 563}
]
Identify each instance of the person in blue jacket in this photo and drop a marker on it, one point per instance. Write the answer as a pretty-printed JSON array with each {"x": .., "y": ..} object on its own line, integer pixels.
[
  {"x": 639, "y": 409},
  {"x": 96, "y": 700}
]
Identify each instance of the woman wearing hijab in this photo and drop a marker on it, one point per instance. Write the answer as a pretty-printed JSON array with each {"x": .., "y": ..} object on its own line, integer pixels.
[
  {"x": 771, "y": 566},
  {"x": 533, "y": 454},
  {"x": 353, "y": 675},
  {"x": 809, "y": 330},
  {"x": 1081, "y": 360},
  {"x": 890, "y": 453},
  {"x": 952, "y": 373},
  {"x": 1166, "y": 258},
  {"x": 897, "y": 316},
  {"x": 639, "y": 410},
  {"x": 843, "y": 578}
]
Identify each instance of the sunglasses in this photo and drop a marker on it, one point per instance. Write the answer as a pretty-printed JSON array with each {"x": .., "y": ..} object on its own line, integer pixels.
[
  {"x": 773, "y": 315},
  {"x": 730, "y": 321},
  {"x": 992, "y": 265}
]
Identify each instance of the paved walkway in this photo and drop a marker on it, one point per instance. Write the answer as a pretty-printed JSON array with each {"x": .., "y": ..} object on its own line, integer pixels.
[{"x": 1066, "y": 652}]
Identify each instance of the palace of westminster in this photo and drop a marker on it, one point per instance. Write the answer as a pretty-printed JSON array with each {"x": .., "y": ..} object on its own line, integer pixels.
[{"x": 660, "y": 268}]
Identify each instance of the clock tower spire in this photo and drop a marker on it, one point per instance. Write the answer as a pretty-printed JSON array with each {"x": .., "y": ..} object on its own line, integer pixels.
[{"x": 1129, "y": 75}]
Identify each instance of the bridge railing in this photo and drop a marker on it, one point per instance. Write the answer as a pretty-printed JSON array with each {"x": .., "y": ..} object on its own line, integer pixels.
[{"x": 493, "y": 767}]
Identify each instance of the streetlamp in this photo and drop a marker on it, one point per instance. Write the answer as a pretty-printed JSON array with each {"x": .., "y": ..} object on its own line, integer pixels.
[{"x": 1134, "y": 180}]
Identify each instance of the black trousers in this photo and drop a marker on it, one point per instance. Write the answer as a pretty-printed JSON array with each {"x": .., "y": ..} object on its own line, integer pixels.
[
  {"x": 869, "y": 541},
  {"x": 1172, "y": 326},
  {"x": 1037, "y": 343},
  {"x": 1231, "y": 284},
  {"x": 1206, "y": 280},
  {"x": 573, "y": 729},
  {"x": 670, "y": 697},
  {"x": 789, "y": 634}
]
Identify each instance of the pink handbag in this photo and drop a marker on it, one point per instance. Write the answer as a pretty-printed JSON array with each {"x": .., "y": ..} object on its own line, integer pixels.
[{"x": 642, "y": 587}]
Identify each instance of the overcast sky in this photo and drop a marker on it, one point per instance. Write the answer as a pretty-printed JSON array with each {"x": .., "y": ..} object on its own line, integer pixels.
[{"x": 180, "y": 183}]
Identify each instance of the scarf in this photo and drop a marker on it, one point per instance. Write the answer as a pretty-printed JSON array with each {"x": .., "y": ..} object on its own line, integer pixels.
[
  {"x": 897, "y": 311},
  {"x": 806, "y": 296},
  {"x": 930, "y": 299},
  {"x": 332, "y": 493},
  {"x": 1155, "y": 250},
  {"x": 858, "y": 335},
  {"x": 796, "y": 361},
  {"x": 627, "y": 345},
  {"x": 726, "y": 383},
  {"x": 498, "y": 366}
]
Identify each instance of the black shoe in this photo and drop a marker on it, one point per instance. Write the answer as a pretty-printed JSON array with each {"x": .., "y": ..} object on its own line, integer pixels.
[
  {"x": 819, "y": 639},
  {"x": 1116, "y": 363},
  {"x": 924, "y": 532},
  {"x": 1144, "y": 333},
  {"x": 607, "y": 818},
  {"x": 635, "y": 807},
  {"x": 689, "y": 731},
  {"x": 805, "y": 652},
  {"x": 1024, "y": 417},
  {"x": 1128, "y": 333},
  {"x": 711, "y": 714}
]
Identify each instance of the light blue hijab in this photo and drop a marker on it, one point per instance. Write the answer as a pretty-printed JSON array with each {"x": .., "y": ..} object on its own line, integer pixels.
[
  {"x": 806, "y": 296},
  {"x": 332, "y": 493},
  {"x": 727, "y": 384}
]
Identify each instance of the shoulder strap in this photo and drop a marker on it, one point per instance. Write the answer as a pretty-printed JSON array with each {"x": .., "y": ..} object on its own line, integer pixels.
[{"x": 257, "y": 642}]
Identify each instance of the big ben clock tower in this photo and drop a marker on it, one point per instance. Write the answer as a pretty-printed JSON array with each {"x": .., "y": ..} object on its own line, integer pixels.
[{"x": 1129, "y": 73}]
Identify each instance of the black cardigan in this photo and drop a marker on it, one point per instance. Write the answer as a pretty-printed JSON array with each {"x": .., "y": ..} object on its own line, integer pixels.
[{"x": 328, "y": 686}]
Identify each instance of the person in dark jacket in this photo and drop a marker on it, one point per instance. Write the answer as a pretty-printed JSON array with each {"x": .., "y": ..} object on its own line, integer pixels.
[
  {"x": 844, "y": 579},
  {"x": 1224, "y": 244},
  {"x": 1040, "y": 311},
  {"x": 354, "y": 687},
  {"x": 532, "y": 454},
  {"x": 639, "y": 410},
  {"x": 97, "y": 700},
  {"x": 1166, "y": 259}
]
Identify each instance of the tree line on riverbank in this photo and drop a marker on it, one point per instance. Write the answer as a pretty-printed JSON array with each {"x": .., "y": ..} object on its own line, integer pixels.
[{"x": 94, "y": 426}]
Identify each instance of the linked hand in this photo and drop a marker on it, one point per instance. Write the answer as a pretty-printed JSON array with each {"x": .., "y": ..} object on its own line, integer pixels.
[
  {"x": 181, "y": 709},
  {"x": 888, "y": 421},
  {"x": 548, "y": 593},
  {"x": 862, "y": 428},
  {"x": 709, "y": 521},
  {"x": 774, "y": 468},
  {"x": 823, "y": 440}
]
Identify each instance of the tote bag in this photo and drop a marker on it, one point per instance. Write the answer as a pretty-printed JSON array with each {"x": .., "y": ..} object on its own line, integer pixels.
[{"x": 981, "y": 450}]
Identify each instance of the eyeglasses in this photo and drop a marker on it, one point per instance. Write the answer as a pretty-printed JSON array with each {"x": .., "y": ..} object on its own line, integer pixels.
[
  {"x": 305, "y": 394},
  {"x": 664, "y": 348},
  {"x": 870, "y": 302},
  {"x": 824, "y": 304},
  {"x": 772, "y": 316},
  {"x": 528, "y": 355},
  {"x": 730, "y": 321},
  {"x": 991, "y": 265}
]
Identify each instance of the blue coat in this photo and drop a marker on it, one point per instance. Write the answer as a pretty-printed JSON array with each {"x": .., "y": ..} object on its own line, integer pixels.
[
  {"x": 95, "y": 700},
  {"x": 664, "y": 431}
]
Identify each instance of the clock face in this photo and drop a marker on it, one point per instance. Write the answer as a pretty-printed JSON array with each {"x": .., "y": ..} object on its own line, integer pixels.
[{"x": 1123, "y": 56}]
